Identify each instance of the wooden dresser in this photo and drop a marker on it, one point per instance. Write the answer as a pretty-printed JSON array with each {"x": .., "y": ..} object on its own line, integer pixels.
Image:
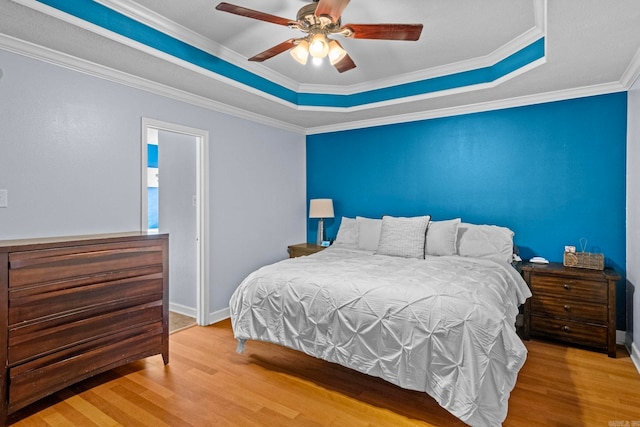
[
  {"x": 574, "y": 305},
  {"x": 74, "y": 307}
]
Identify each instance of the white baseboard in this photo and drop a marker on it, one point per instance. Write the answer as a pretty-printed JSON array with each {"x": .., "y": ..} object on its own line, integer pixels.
[
  {"x": 219, "y": 315},
  {"x": 182, "y": 309},
  {"x": 620, "y": 337},
  {"x": 635, "y": 356},
  {"x": 213, "y": 317}
]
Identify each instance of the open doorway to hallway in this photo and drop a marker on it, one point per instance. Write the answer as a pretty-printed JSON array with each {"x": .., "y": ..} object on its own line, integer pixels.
[{"x": 174, "y": 201}]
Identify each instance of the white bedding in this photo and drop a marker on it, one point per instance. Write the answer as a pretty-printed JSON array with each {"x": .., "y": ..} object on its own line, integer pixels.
[{"x": 443, "y": 325}]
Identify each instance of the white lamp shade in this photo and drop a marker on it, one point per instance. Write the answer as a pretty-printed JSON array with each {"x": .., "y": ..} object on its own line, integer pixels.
[{"x": 321, "y": 208}]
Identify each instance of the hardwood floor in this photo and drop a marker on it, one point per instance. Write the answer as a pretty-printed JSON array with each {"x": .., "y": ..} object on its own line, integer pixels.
[{"x": 208, "y": 384}]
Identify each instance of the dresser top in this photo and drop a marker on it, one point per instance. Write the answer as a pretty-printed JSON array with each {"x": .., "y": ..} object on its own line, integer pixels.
[{"x": 44, "y": 242}]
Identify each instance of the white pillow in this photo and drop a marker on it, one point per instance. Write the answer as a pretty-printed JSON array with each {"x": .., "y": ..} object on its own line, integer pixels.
[
  {"x": 485, "y": 241},
  {"x": 368, "y": 233},
  {"x": 403, "y": 237},
  {"x": 442, "y": 237},
  {"x": 347, "y": 233}
]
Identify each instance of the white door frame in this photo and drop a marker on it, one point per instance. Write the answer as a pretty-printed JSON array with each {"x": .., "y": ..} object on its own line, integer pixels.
[{"x": 202, "y": 209}]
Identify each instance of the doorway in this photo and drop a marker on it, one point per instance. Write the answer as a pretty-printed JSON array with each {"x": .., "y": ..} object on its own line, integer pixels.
[{"x": 182, "y": 207}]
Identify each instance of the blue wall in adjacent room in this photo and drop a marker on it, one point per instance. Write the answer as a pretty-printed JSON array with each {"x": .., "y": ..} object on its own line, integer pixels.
[{"x": 553, "y": 173}]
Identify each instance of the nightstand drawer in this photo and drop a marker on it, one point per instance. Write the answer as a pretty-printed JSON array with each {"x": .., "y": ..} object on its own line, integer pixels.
[
  {"x": 566, "y": 308},
  {"x": 569, "y": 331},
  {"x": 565, "y": 287}
]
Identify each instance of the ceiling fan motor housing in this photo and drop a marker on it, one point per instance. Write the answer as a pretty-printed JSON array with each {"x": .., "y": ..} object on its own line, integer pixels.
[{"x": 307, "y": 17}]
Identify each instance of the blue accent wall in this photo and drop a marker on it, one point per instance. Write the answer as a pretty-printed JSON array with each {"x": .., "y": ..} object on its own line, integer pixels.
[{"x": 553, "y": 173}]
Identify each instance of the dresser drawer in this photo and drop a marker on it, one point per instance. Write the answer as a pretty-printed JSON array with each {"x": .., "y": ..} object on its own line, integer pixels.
[
  {"x": 46, "y": 337},
  {"x": 566, "y": 287},
  {"x": 63, "y": 264},
  {"x": 569, "y": 309},
  {"x": 45, "y": 301},
  {"x": 570, "y": 331},
  {"x": 31, "y": 381}
]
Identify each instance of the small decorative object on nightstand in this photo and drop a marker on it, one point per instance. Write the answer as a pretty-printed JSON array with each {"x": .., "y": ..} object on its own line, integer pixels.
[
  {"x": 577, "y": 306},
  {"x": 303, "y": 249}
]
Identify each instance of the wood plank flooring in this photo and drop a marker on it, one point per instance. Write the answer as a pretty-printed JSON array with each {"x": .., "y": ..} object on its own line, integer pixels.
[{"x": 208, "y": 384}]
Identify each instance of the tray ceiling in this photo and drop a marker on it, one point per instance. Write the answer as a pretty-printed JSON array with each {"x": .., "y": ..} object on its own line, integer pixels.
[{"x": 472, "y": 56}]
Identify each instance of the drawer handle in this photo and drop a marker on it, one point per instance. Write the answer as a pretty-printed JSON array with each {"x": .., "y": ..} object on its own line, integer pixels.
[
  {"x": 567, "y": 307},
  {"x": 565, "y": 328},
  {"x": 566, "y": 286}
]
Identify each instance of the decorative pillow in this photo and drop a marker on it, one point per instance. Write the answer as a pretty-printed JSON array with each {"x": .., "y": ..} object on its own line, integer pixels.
[
  {"x": 368, "y": 233},
  {"x": 403, "y": 237},
  {"x": 442, "y": 237},
  {"x": 485, "y": 241},
  {"x": 347, "y": 233}
]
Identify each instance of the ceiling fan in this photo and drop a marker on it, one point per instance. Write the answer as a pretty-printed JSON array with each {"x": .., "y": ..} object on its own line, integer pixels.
[{"x": 319, "y": 20}]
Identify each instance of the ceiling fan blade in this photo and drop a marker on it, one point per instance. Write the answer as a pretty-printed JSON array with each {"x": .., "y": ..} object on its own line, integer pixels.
[
  {"x": 332, "y": 8},
  {"x": 385, "y": 31},
  {"x": 250, "y": 13},
  {"x": 270, "y": 53},
  {"x": 345, "y": 64}
]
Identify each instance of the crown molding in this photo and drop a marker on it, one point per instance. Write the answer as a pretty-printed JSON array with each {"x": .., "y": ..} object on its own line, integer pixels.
[
  {"x": 430, "y": 95},
  {"x": 70, "y": 62},
  {"x": 146, "y": 16},
  {"x": 632, "y": 73},
  {"x": 153, "y": 20},
  {"x": 63, "y": 16},
  {"x": 475, "y": 108},
  {"x": 502, "y": 52}
]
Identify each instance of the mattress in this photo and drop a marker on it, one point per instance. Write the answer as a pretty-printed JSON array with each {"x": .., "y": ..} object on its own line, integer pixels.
[{"x": 444, "y": 325}]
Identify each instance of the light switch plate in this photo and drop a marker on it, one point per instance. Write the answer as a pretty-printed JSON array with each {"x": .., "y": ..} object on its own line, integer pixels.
[{"x": 4, "y": 198}]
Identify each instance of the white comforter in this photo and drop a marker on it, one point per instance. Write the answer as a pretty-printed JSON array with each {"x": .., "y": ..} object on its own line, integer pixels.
[{"x": 443, "y": 325}]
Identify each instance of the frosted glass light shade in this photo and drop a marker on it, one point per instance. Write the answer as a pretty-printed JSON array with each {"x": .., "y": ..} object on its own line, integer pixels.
[
  {"x": 319, "y": 47},
  {"x": 321, "y": 208},
  {"x": 336, "y": 52},
  {"x": 301, "y": 52}
]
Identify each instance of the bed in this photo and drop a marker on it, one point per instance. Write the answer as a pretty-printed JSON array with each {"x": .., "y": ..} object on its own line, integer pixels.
[{"x": 437, "y": 318}]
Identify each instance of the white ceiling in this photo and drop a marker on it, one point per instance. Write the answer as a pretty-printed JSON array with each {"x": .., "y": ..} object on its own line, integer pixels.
[{"x": 591, "y": 47}]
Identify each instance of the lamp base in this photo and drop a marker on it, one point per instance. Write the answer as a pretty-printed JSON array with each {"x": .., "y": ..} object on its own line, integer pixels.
[{"x": 320, "y": 237}]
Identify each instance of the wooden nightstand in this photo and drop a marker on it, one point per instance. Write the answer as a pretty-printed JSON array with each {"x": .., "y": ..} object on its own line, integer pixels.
[
  {"x": 574, "y": 305},
  {"x": 304, "y": 249}
]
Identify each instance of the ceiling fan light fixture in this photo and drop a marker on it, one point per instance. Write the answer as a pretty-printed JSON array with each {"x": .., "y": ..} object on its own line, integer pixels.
[
  {"x": 319, "y": 47},
  {"x": 301, "y": 52},
  {"x": 336, "y": 52},
  {"x": 319, "y": 20}
]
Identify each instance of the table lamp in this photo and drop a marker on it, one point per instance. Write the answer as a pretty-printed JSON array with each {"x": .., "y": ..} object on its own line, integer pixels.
[{"x": 321, "y": 208}]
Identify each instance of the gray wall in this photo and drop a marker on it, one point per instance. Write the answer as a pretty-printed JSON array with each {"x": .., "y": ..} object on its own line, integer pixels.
[{"x": 70, "y": 158}]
